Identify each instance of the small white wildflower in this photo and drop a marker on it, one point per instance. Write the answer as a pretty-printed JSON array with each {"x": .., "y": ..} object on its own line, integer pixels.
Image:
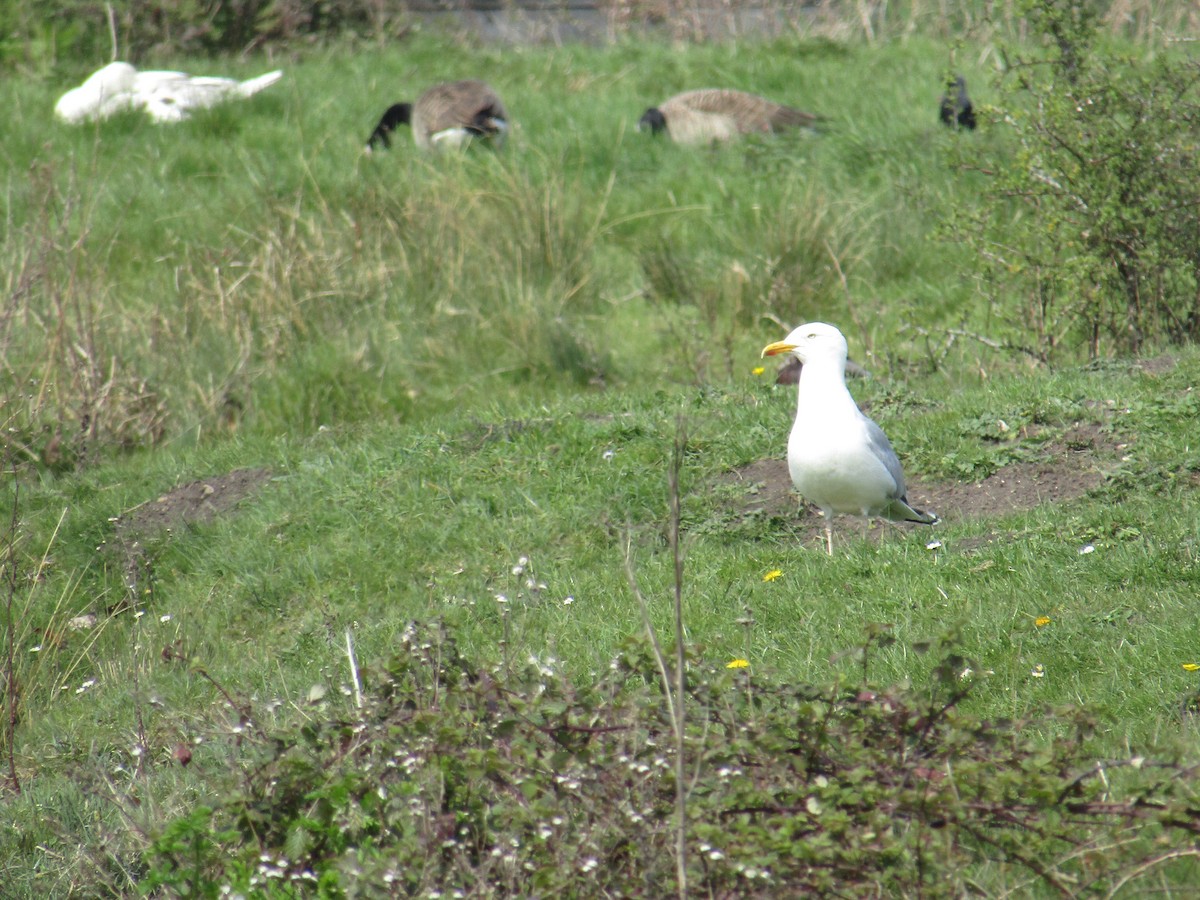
[
  {"x": 568, "y": 601},
  {"x": 500, "y": 598},
  {"x": 1086, "y": 549},
  {"x": 523, "y": 561},
  {"x": 607, "y": 455},
  {"x": 166, "y": 618},
  {"x": 137, "y": 615},
  {"x": 518, "y": 570},
  {"x": 588, "y": 865},
  {"x": 36, "y": 649},
  {"x": 933, "y": 545},
  {"x": 90, "y": 683},
  {"x": 1039, "y": 671}
]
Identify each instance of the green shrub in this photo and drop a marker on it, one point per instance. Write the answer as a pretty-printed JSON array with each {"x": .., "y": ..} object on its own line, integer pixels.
[
  {"x": 469, "y": 780},
  {"x": 1090, "y": 236}
]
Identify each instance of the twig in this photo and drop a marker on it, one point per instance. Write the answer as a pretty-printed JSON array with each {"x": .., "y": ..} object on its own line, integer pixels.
[
  {"x": 1146, "y": 866},
  {"x": 655, "y": 646},
  {"x": 353, "y": 670},
  {"x": 112, "y": 28},
  {"x": 866, "y": 336},
  {"x": 10, "y": 672},
  {"x": 680, "y": 655},
  {"x": 673, "y": 688}
]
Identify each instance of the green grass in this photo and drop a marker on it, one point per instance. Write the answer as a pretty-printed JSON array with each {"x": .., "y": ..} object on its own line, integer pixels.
[
  {"x": 450, "y": 365},
  {"x": 256, "y": 246},
  {"x": 371, "y": 527}
]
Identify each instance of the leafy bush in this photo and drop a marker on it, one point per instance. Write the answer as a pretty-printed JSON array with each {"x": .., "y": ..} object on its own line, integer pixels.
[
  {"x": 469, "y": 780},
  {"x": 1091, "y": 233}
]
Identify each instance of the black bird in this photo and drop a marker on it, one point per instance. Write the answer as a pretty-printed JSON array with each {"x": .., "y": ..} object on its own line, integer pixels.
[{"x": 956, "y": 111}]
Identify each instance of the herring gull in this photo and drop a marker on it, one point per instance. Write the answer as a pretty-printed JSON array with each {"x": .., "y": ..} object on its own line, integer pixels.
[{"x": 839, "y": 459}]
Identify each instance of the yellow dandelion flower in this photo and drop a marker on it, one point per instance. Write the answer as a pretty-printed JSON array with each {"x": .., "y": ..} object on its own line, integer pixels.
[
  {"x": 773, "y": 574},
  {"x": 1191, "y": 667},
  {"x": 758, "y": 370},
  {"x": 738, "y": 664},
  {"x": 1041, "y": 620}
]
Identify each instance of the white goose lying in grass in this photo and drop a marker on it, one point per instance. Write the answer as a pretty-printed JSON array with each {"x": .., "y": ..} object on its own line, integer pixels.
[{"x": 165, "y": 96}]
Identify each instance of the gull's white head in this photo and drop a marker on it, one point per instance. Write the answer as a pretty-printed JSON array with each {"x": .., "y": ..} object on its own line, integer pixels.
[{"x": 815, "y": 340}]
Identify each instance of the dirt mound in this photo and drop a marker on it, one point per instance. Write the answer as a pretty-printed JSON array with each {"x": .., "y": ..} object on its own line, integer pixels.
[
  {"x": 193, "y": 503},
  {"x": 1068, "y": 470}
]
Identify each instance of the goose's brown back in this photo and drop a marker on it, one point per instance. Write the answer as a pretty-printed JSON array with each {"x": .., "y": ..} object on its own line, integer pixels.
[
  {"x": 454, "y": 104},
  {"x": 717, "y": 114}
]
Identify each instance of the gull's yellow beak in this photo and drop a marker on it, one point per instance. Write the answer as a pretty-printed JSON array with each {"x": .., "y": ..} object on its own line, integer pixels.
[{"x": 777, "y": 348}]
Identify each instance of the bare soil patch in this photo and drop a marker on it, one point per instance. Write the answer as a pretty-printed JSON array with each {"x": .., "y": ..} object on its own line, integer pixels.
[
  {"x": 193, "y": 503},
  {"x": 196, "y": 502}
]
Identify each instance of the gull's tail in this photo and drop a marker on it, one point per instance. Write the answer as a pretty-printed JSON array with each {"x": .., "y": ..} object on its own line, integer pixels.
[{"x": 899, "y": 511}]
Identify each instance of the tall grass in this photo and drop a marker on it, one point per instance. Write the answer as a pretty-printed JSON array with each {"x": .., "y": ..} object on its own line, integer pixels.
[{"x": 250, "y": 270}]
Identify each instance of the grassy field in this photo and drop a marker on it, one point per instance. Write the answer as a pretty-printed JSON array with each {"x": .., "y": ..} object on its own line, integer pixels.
[{"x": 456, "y": 384}]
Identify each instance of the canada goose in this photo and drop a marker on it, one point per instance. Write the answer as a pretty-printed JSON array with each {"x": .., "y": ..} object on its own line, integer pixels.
[
  {"x": 447, "y": 115},
  {"x": 838, "y": 458},
  {"x": 956, "y": 111},
  {"x": 714, "y": 114},
  {"x": 164, "y": 96}
]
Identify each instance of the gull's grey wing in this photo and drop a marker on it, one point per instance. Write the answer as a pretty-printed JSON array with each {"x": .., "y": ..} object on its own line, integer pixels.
[
  {"x": 881, "y": 447},
  {"x": 897, "y": 507}
]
